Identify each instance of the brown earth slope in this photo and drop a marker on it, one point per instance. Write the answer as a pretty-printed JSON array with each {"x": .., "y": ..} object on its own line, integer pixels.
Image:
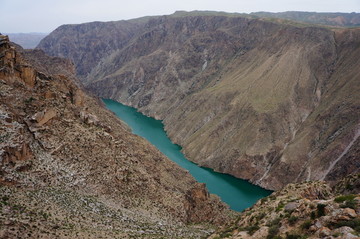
[
  {"x": 70, "y": 169},
  {"x": 268, "y": 102}
]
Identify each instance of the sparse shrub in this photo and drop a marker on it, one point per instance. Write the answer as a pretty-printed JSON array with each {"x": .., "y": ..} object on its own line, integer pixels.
[
  {"x": 321, "y": 210},
  {"x": 349, "y": 186},
  {"x": 292, "y": 220},
  {"x": 295, "y": 236},
  {"x": 354, "y": 224},
  {"x": 273, "y": 228},
  {"x": 350, "y": 204},
  {"x": 252, "y": 229},
  {"x": 276, "y": 221},
  {"x": 336, "y": 234},
  {"x": 306, "y": 225},
  {"x": 347, "y": 200},
  {"x": 227, "y": 234},
  {"x": 343, "y": 198},
  {"x": 263, "y": 200},
  {"x": 280, "y": 207},
  {"x": 273, "y": 231},
  {"x": 5, "y": 198},
  {"x": 260, "y": 216},
  {"x": 29, "y": 100},
  {"x": 272, "y": 197}
]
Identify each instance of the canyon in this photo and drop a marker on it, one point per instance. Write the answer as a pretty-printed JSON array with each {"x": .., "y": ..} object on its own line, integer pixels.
[
  {"x": 268, "y": 101},
  {"x": 271, "y": 101}
]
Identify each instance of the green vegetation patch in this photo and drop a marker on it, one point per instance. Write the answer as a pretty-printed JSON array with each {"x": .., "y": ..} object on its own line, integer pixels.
[
  {"x": 252, "y": 229},
  {"x": 292, "y": 220},
  {"x": 273, "y": 228},
  {"x": 347, "y": 201},
  {"x": 344, "y": 198},
  {"x": 273, "y": 231},
  {"x": 295, "y": 236},
  {"x": 306, "y": 224},
  {"x": 280, "y": 207},
  {"x": 354, "y": 224},
  {"x": 321, "y": 210}
]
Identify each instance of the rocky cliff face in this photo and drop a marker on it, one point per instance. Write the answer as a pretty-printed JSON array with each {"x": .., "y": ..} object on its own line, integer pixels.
[
  {"x": 87, "y": 43},
  {"x": 268, "y": 102},
  {"x": 69, "y": 168}
]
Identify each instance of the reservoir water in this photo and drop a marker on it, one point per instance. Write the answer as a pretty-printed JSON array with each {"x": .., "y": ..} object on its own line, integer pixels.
[{"x": 237, "y": 193}]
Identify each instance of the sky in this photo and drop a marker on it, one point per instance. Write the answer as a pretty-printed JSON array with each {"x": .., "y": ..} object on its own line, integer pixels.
[{"x": 46, "y": 15}]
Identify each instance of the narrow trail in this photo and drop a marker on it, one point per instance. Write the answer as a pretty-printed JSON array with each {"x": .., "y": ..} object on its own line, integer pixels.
[{"x": 356, "y": 136}]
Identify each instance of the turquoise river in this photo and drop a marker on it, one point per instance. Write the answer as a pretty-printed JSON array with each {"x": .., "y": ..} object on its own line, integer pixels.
[{"x": 238, "y": 194}]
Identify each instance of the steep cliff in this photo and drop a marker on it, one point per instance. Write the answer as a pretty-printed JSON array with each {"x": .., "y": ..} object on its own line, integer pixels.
[
  {"x": 69, "y": 168},
  {"x": 268, "y": 102}
]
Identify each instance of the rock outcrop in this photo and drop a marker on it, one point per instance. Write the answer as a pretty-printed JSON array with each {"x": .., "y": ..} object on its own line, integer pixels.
[
  {"x": 69, "y": 168},
  {"x": 307, "y": 210},
  {"x": 269, "y": 102}
]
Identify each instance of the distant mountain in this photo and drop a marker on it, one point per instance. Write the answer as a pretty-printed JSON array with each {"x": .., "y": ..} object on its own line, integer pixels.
[
  {"x": 27, "y": 40},
  {"x": 331, "y": 19}
]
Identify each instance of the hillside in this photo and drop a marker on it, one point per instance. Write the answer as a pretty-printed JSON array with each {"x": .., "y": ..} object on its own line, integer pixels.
[
  {"x": 69, "y": 168},
  {"x": 264, "y": 101}
]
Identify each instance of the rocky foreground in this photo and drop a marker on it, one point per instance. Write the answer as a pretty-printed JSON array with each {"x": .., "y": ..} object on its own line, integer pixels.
[
  {"x": 69, "y": 168},
  {"x": 298, "y": 211}
]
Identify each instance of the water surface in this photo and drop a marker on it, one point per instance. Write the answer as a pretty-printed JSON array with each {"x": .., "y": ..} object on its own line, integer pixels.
[{"x": 237, "y": 193}]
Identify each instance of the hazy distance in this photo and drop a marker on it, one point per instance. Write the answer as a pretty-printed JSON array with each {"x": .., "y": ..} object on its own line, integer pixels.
[{"x": 44, "y": 15}]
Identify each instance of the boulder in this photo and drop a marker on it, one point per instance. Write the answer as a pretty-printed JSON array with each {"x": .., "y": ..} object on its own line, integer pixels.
[
  {"x": 349, "y": 212},
  {"x": 344, "y": 230},
  {"x": 290, "y": 207},
  {"x": 28, "y": 75},
  {"x": 89, "y": 118},
  {"x": 44, "y": 116},
  {"x": 324, "y": 232},
  {"x": 78, "y": 98}
]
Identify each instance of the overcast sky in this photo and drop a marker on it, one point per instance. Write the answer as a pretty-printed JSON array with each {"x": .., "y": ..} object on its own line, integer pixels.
[{"x": 46, "y": 15}]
